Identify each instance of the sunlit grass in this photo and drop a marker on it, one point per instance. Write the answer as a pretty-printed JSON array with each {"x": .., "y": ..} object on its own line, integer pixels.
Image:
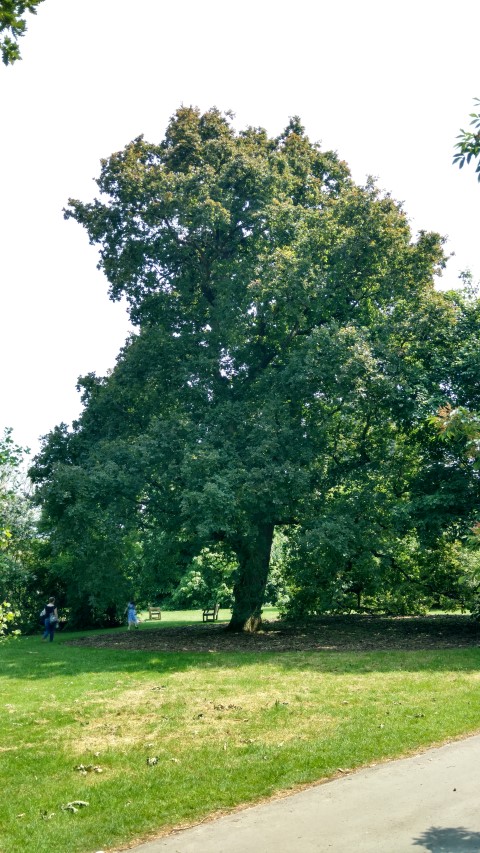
[
  {"x": 223, "y": 728},
  {"x": 170, "y": 619},
  {"x": 180, "y": 617}
]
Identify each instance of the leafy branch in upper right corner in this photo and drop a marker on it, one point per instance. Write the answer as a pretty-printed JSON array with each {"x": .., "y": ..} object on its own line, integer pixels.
[{"x": 468, "y": 144}]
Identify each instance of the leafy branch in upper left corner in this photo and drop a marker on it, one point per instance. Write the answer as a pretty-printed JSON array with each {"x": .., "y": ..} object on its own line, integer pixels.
[{"x": 14, "y": 25}]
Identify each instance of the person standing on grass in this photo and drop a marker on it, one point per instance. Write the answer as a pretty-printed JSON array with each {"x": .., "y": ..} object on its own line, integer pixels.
[
  {"x": 51, "y": 619},
  {"x": 132, "y": 617}
]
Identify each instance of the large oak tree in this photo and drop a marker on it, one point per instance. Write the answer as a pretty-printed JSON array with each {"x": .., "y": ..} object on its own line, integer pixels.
[{"x": 288, "y": 336}]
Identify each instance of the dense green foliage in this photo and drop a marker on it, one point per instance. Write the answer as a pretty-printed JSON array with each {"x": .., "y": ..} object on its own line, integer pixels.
[
  {"x": 289, "y": 354},
  {"x": 13, "y": 25}
]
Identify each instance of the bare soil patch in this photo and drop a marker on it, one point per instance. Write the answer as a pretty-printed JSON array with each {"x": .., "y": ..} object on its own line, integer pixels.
[{"x": 329, "y": 633}]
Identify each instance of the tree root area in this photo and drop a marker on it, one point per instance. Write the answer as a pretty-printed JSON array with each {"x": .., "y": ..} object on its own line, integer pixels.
[{"x": 329, "y": 633}]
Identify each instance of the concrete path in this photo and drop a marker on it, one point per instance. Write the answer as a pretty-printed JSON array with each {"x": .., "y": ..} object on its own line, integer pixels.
[{"x": 428, "y": 802}]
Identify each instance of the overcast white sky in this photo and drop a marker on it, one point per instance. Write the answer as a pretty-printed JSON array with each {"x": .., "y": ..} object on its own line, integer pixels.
[{"x": 386, "y": 84}]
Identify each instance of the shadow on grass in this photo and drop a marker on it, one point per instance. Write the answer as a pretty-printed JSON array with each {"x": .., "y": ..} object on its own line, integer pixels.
[
  {"x": 449, "y": 840},
  {"x": 31, "y": 659}
]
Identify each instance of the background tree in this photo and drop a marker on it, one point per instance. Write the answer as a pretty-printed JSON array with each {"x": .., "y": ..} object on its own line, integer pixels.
[
  {"x": 288, "y": 341},
  {"x": 211, "y": 577},
  {"x": 18, "y": 534}
]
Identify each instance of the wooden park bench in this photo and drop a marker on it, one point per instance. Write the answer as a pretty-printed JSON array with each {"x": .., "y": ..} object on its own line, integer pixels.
[
  {"x": 154, "y": 612},
  {"x": 210, "y": 614}
]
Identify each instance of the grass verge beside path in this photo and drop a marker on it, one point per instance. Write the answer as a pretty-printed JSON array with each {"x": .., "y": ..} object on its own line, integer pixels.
[{"x": 218, "y": 730}]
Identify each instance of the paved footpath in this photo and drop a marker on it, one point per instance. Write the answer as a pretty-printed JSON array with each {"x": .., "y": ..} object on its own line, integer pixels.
[{"x": 428, "y": 802}]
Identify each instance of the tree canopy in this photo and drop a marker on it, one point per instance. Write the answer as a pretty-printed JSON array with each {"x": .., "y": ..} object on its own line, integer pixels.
[{"x": 288, "y": 353}]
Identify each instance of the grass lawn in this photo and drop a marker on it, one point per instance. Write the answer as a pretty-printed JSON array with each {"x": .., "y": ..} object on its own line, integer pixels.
[{"x": 178, "y": 736}]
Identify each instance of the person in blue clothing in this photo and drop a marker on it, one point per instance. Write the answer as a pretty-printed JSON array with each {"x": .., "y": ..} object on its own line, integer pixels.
[
  {"x": 51, "y": 619},
  {"x": 132, "y": 617}
]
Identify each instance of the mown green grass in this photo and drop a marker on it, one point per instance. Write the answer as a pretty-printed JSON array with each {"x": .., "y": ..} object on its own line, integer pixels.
[{"x": 225, "y": 729}]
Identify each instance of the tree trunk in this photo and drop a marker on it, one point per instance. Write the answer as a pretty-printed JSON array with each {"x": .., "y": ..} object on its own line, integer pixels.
[{"x": 249, "y": 589}]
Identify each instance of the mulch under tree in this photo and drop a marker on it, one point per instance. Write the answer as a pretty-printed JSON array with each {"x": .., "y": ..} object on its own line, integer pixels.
[{"x": 330, "y": 633}]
